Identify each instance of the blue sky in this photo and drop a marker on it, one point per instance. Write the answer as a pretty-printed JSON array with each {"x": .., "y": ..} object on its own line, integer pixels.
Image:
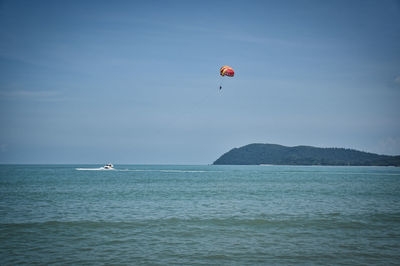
[{"x": 137, "y": 81}]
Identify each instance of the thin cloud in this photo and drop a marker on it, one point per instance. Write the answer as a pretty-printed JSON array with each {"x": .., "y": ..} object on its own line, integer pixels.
[
  {"x": 389, "y": 145},
  {"x": 45, "y": 95},
  {"x": 397, "y": 80},
  {"x": 3, "y": 147}
]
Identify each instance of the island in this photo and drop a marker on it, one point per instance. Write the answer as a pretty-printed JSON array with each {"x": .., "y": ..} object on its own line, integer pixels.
[{"x": 274, "y": 154}]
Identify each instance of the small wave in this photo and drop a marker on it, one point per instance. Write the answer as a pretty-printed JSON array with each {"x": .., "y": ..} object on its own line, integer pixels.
[{"x": 166, "y": 171}]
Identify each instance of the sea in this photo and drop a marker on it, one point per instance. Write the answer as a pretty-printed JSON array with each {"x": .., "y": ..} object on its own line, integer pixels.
[{"x": 199, "y": 215}]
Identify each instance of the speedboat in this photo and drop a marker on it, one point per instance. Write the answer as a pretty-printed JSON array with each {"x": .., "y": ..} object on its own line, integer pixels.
[{"x": 108, "y": 167}]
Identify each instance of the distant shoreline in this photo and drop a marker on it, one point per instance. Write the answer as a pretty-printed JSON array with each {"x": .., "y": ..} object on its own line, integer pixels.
[
  {"x": 274, "y": 154},
  {"x": 318, "y": 165}
]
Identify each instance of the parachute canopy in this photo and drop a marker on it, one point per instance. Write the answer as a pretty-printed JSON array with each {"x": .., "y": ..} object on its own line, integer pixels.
[{"x": 227, "y": 71}]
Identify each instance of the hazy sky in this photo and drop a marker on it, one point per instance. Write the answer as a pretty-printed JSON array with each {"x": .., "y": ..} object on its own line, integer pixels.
[{"x": 137, "y": 81}]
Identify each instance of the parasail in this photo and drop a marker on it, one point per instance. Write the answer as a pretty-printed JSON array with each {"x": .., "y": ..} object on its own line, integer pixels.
[{"x": 227, "y": 71}]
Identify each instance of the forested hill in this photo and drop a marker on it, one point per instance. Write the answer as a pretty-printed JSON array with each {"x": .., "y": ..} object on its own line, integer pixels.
[{"x": 255, "y": 154}]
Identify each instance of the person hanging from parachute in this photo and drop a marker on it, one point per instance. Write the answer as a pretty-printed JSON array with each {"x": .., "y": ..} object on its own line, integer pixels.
[{"x": 226, "y": 71}]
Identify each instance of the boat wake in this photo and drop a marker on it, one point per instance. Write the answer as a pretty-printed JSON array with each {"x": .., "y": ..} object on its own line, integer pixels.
[
  {"x": 92, "y": 169},
  {"x": 145, "y": 170},
  {"x": 105, "y": 167}
]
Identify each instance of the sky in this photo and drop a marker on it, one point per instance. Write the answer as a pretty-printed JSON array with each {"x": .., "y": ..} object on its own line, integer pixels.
[{"x": 137, "y": 82}]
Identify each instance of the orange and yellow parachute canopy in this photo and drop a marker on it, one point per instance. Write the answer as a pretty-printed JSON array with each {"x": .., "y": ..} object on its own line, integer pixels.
[{"x": 227, "y": 71}]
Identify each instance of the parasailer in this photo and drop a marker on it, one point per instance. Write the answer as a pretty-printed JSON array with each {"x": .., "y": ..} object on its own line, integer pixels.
[{"x": 226, "y": 71}]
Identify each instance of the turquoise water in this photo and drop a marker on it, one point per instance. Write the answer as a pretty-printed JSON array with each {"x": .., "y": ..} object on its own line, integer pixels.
[{"x": 220, "y": 215}]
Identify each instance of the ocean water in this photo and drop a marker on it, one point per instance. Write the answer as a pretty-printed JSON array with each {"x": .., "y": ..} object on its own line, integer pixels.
[{"x": 201, "y": 215}]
